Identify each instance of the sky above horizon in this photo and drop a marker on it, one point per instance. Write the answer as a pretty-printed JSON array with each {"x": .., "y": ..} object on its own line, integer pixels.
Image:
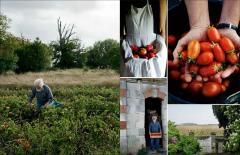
[
  {"x": 93, "y": 20},
  {"x": 199, "y": 114}
]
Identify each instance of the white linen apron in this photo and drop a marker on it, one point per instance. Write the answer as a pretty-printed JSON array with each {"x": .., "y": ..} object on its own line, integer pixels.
[{"x": 139, "y": 24}]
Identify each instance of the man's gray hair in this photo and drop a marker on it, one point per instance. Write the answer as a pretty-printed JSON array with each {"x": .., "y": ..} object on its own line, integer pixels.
[{"x": 38, "y": 83}]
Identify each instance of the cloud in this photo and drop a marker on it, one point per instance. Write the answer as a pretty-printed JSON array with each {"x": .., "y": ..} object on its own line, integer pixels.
[
  {"x": 200, "y": 114},
  {"x": 93, "y": 20}
]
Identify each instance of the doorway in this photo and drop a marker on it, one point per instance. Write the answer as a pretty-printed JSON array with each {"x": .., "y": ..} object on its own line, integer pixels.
[{"x": 152, "y": 106}]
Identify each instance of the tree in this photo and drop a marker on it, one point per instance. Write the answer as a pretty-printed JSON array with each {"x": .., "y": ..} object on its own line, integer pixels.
[
  {"x": 34, "y": 56},
  {"x": 228, "y": 117},
  {"x": 218, "y": 111},
  {"x": 66, "y": 49},
  {"x": 8, "y": 58},
  {"x": 104, "y": 54},
  {"x": 4, "y": 25}
]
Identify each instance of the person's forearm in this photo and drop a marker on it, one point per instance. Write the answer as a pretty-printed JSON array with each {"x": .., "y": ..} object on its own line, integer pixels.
[
  {"x": 230, "y": 12},
  {"x": 198, "y": 13},
  {"x": 163, "y": 16}
]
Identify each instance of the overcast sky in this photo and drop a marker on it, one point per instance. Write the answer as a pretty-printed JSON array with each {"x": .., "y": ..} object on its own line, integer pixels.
[
  {"x": 93, "y": 20},
  {"x": 200, "y": 114}
]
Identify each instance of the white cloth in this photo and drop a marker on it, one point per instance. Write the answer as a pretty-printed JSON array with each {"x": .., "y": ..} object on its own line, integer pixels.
[{"x": 139, "y": 24}]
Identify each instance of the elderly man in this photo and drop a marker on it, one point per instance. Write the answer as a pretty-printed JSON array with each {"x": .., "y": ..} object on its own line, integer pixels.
[{"x": 43, "y": 94}]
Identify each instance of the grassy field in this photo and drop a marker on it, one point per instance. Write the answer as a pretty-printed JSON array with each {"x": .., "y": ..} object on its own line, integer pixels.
[
  {"x": 87, "y": 124},
  {"x": 102, "y": 77},
  {"x": 201, "y": 130}
]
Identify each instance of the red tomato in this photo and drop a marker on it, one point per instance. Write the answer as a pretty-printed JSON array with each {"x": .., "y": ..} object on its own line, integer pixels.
[
  {"x": 134, "y": 48},
  {"x": 232, "y": 58},
  {"x": 135, "y": 56},
  {"x": 193, "y": 69},
  {"x": 205, "y": 58},
  {"x": 210, "y": 69},
  {"x": 172, "y": 40},
  {"x": 182, "y": 56},
  {"x": 174, "y": 74},
  {"x": 183, "y": 69},
  {"x": 143, "y": 51},
  {"x": 184, "y": 85},
  {"x": 151, "y": 55},
  {"x": 213, "y": 34},
  {"x": 149, "y": 48},
  {"x": 227, "y": 44},
  {"x": 211, "y": 89},
  {"x": 172, "y": 65},
  {"x": 193, "y": 50},
  {"x": 195, "y": 87},
  {"x": 205, "y": 46},
  {"x": 219, "y": 54}
]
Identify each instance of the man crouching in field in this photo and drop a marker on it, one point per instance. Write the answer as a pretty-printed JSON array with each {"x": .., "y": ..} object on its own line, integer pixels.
[{"x": 43, "y": 94}]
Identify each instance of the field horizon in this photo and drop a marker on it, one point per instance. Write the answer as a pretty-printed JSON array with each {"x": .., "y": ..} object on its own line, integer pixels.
[
  {"x": 200, "y": 130},
  {"x": 96, "y": 77}
]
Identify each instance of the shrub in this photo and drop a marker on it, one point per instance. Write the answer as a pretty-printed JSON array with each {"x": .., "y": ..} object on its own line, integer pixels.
[
  {"x": 8, "y": 59},
  {"x": 104, "y": 54},
  {"x": 35, "y": 56},
  {"x": 181, "y": 144}
]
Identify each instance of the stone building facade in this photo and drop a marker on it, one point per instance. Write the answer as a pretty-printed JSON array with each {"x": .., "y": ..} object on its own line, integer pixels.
[{"x": 133, "y": 95}]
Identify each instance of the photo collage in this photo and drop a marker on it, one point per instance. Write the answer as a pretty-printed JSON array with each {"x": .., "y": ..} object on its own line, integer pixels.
[{"x": 119, "y": 77}]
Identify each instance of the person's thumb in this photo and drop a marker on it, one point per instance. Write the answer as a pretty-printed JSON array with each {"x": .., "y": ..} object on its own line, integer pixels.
[{"x": 178, "y": 49}]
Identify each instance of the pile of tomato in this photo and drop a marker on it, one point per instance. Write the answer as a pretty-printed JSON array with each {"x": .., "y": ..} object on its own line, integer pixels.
[
  {"x": 204, "y": 67},
  {"x": 147, "y": 52}
]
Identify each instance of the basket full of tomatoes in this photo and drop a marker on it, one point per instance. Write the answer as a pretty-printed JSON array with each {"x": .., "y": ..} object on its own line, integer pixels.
[
  {"x": 205, "y": 68},
  {"x": 146, "y": 52}
]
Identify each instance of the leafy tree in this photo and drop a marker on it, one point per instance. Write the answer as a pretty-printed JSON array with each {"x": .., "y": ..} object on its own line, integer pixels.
[
  {"x": 181, "y": 144},
  {"x": 218, "y": 111},
  {"x": 35, "y": 56},
  {"x": 228, "y": 117},
  {"x": 104, "y": 54},
  {"x": 66, "y": 49},
  {"x": 8, "y": 58},
  {"x": 4, "y": 25}
]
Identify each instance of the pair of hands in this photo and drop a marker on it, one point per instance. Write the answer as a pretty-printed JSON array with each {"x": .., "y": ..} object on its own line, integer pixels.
[{"x": 200, "y": 34}]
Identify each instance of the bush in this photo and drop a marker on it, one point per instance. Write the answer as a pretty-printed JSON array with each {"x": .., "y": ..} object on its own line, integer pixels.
[
  {"x": 35, "y": 56},
  {"x": 104, "y": 54},
  {"x": 181, "y": 144},
  {"x": 8, "y": 59}
]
